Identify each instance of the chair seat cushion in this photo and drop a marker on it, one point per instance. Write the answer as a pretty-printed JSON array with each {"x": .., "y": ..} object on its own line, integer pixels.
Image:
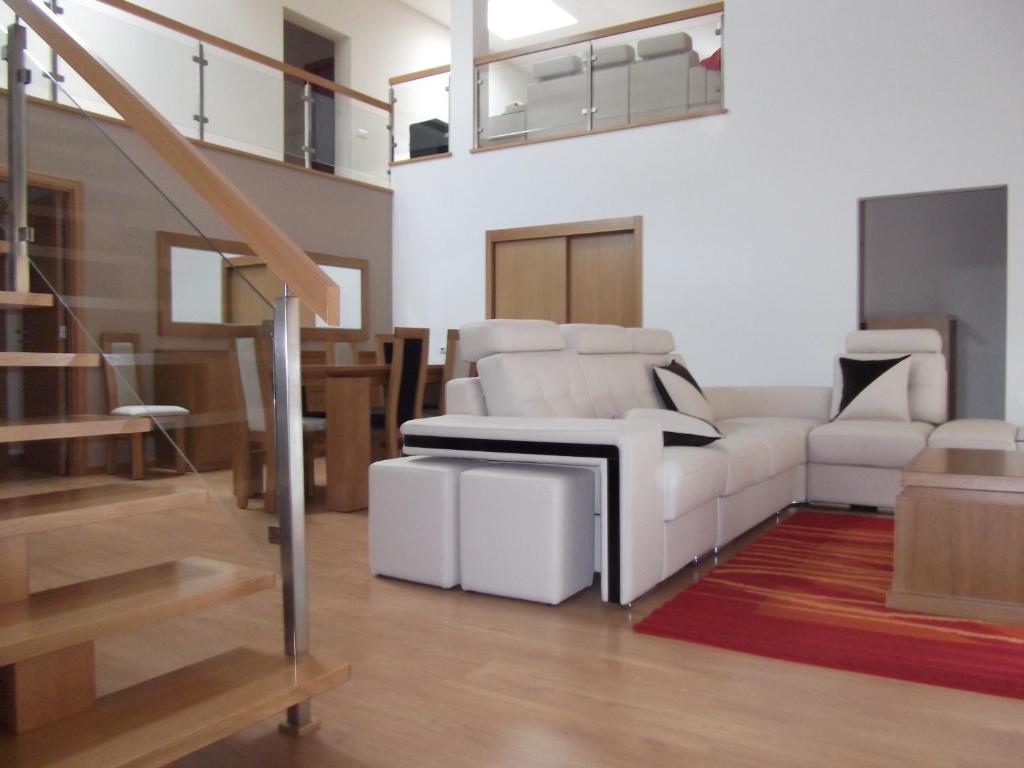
[
  {"x": 888, "y": 444},
  {"x": 983, "y": 434},
  {"x": 750, "y": 460},
  {"x": 150, "y": 410},
  {"x": 690, "y": 477}
]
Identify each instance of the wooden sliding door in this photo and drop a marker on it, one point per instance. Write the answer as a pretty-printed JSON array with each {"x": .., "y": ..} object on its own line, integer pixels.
[
  {"x": 584, "y": 272},
  {"x": 530, "y": 279}
]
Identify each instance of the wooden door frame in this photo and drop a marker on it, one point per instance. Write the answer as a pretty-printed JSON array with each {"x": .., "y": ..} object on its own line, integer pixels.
[
  {"x": 633, "y": 224},
  {"x": 73, "y": 278}
]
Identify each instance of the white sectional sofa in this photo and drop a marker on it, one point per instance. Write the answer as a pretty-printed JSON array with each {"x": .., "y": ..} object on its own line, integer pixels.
[
  {"x": 658, "y": 77},
  {"x": 583, "y": 395}
]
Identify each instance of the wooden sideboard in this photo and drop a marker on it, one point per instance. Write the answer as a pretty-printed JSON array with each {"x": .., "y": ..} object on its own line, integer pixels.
[{"x": 200, "y": 380}]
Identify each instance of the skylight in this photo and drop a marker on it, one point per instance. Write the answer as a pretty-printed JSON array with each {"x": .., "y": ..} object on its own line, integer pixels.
[{"x": 511, "y": 19}]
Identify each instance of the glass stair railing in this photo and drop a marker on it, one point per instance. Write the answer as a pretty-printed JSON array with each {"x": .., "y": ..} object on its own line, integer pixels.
[{"x": 140, "y": 460}]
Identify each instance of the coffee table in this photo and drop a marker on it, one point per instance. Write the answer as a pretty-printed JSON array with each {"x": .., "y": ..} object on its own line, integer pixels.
[{"x": 960, "y": 535}]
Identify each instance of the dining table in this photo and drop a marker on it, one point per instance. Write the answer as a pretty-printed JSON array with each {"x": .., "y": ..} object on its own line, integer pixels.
[{"x": 347, "y": 398}]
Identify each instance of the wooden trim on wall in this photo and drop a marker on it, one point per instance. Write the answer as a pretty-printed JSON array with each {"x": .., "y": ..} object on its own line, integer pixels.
[
  {"x": 632, "y": 224},
  {"x": 242, "y": 51},
  {"x": 168, "y": 327},
  {"x": 596, "y": 34},
  {"x": 411, "y": 160},
  {"x": 409, "y": 77}
]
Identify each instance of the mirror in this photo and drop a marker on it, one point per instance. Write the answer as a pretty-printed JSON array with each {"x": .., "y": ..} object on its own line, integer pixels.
[{"x": 202, "y": 294}]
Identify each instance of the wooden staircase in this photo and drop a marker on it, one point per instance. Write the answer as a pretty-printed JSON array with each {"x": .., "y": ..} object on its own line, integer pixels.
[{"x": 49, "y": 712}]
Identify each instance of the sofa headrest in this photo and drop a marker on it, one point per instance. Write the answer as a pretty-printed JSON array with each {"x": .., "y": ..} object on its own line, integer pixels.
[
  {"x": 902, "y": 340},
  {"x": 592, "y": 339},
  {"x": 652, "y": 341},
  {"x": 491, "y": 337},
  {"x": 560, "y": 66},
  {"x": 613, "y": 56},
  {"x": 666, "y": 45}
]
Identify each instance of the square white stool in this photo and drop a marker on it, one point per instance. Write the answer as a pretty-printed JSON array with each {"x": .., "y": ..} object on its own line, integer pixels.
[
  {"x": 414, "y": 519},
  {"x": 527, "y": 531}
]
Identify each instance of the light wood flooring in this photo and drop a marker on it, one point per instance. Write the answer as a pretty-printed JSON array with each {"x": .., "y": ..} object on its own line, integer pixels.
[{"x": 447, "y": 678}]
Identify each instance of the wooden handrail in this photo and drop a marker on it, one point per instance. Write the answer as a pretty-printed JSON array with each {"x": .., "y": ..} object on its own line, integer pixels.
[
  {"x": 618, "y": 29},
  {"x": 285, "y": 259},
  {"x": 245, "y": 53},
  {"x": 409, "y": 77}
]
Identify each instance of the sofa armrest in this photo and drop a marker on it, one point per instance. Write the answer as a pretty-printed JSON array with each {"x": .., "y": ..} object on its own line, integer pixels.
[
  {"x": 464, "y": 397},
  {"x": 628, "y": 454},
  {"x": 788, "y": 402}
]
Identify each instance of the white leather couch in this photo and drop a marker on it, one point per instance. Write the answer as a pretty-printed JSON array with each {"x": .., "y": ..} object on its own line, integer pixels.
[
  {"x": 659, "y": 77},
  {"x": 576, "y": 394}
]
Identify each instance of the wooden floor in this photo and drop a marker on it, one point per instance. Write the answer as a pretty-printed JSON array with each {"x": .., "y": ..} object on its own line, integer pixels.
[{"x": 447, "y": 678}]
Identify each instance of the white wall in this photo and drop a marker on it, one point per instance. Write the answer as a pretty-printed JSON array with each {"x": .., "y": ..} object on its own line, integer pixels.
[{"x": 750, "y": 218}]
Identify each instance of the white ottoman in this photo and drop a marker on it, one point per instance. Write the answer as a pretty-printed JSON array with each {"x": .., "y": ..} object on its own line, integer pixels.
[
  {"x": 527, "y": 531},
  {"x": 414, "y": 519}
]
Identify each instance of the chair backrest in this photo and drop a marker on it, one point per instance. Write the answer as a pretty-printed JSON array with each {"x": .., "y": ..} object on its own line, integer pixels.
[
  {"x": 384, "y": 344},
  {"x": 928, "y": 378},
  {"x": 341, "y": 352},
  {"x": 455, "y": 367},
  {"x": 525, "y": 369},
  {"x": 120, "y": 353},
  {"x": 408, "y": 378},
  {"x": 252, "y": 366},
  {"x": 617, "y": 365},
  {"x": 536, "y": 368}
]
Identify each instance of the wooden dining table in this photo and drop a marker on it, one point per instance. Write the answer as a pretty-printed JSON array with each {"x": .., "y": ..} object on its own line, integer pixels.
[{"x": 348, "y": 398}]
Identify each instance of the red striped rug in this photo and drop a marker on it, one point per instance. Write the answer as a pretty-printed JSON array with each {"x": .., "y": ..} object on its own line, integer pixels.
[{"x": 813, "y": 590}]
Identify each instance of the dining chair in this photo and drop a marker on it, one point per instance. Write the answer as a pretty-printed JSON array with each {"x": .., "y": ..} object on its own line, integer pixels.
[
  {"x": 124, "y": 398},
  {"x": 341, "y": 352},
  {"x": 383, "y": 344},
  {"x": 406, "y": 383},
  {"x": 253, "y": 459},
  {"x": 454, "y": 367}
]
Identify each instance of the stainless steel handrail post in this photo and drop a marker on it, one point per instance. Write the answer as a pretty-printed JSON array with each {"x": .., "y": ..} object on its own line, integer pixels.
[
  {"x": 291, "y": 502},
  {"x": 19, "y": 235},
  {"x": 308, "y": 149}
]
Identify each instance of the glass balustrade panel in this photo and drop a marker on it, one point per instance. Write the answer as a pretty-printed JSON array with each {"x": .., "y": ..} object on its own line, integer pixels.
[{"x": 421, "y": 116}]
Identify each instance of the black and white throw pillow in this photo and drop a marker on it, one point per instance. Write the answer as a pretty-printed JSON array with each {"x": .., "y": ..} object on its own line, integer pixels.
[
  {"x": 875, "y": 389},
  {"x": 678, "y": 428},
  {"x": 681, "y": 392}
]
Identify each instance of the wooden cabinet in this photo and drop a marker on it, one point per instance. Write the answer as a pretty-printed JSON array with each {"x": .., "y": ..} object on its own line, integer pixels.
[
  {"x": 585, "y": 272},
  {"x": 200, "y": 380}
]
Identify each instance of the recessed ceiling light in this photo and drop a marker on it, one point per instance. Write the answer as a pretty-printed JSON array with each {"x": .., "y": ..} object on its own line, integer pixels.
[{"x": 509, "y": 19}]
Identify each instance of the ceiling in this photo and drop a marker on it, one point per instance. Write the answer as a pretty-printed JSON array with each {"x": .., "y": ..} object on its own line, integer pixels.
[{"x": 592, "y": 14}]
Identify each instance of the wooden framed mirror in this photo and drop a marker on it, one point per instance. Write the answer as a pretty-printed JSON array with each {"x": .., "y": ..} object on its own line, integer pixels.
[{"x": 212, "y": 287}]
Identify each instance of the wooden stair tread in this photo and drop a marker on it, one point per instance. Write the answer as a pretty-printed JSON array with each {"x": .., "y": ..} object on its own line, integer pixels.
[
  {"x": 24, "y": 300},
  {"x": 168, "y": 717},
  {"x": 66, "y": 427},
  {"x": 49, "y": 360},
  {"x": 65, "y": 616},
  {"x": 24, "y": 515}
]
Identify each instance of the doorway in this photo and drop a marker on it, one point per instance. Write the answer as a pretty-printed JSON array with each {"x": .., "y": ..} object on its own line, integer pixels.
[
  {"x": 582, "y": 272},
  {"x": 47, "y": 392},
  {"x": 315, "y": 54},
  {"x": 943, "y": 254}
]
